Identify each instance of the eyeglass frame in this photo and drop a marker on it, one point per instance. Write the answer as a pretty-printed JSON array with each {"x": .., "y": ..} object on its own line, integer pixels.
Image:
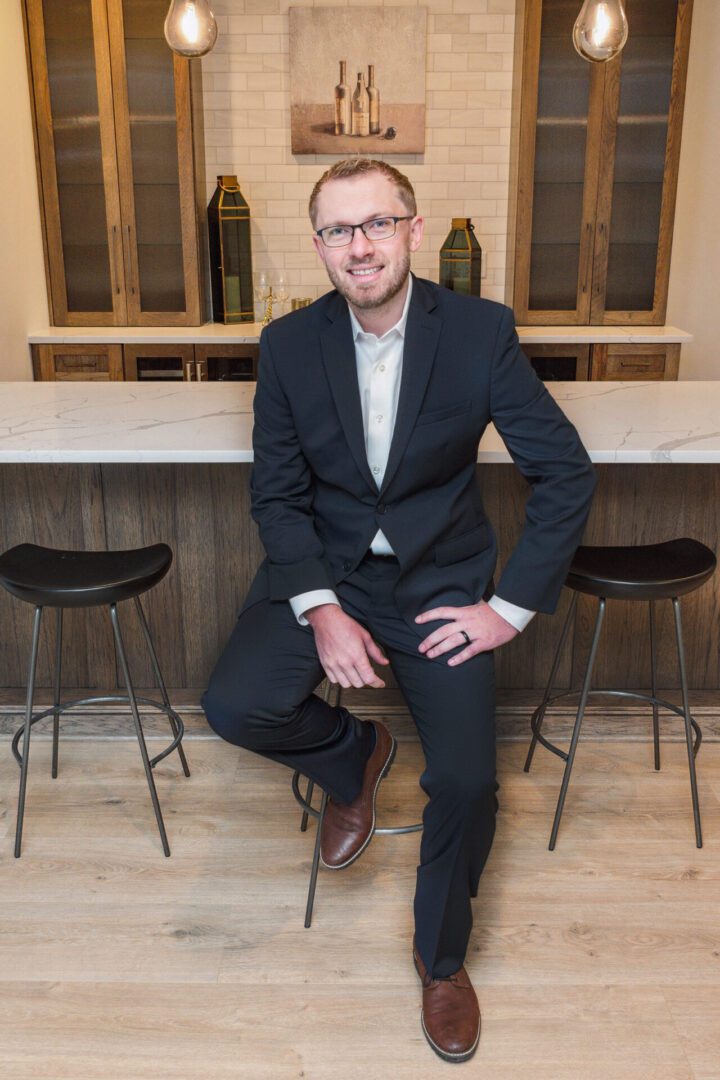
[{"x": 361, "y": 225}]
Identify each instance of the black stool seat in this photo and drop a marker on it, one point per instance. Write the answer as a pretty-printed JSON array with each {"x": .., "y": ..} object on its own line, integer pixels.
[
  {"x": 48, "y": 577},
  {"x": 643, "y": 571}
]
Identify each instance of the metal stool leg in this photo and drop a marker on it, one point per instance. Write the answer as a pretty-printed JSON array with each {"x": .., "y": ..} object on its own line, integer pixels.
[
  {"x": 27, "y": 729},
  {"x": 315, "y": 863},
  {"x": 653, "y": 690},
  {"x": 578, "y": 722},
  {"x": 308, "y": 799},
  {"x": 688, "y": 722},
  {"x": 56, "y": 698},
  {"x": 138, "y": 726},
  {"x": 551, "y": 680},
  {"x": 159, "y": 679}
]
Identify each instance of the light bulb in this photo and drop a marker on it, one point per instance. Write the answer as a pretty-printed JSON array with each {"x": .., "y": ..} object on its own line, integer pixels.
[
  {"x": 190, "y": 27},
  {"x": 600, "y": 30}
]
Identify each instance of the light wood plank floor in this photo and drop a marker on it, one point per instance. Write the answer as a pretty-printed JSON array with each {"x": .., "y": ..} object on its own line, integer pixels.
[{"x": 599, "y": 960}]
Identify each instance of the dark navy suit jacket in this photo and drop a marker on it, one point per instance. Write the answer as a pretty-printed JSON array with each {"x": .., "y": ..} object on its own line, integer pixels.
[{"x": 313, "y": 494}]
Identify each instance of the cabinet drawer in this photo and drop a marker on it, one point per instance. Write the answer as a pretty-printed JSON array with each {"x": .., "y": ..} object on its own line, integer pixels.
[
  {"x": 79, "y": 363},
  {"x": 641, "y": 362}
]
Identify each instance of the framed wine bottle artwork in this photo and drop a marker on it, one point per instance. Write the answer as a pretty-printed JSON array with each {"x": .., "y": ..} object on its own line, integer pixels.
[{"x": 351, "y": 89}]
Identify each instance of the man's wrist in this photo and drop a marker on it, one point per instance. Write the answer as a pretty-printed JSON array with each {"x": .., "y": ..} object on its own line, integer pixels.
[{"x": 314, "y": 613}]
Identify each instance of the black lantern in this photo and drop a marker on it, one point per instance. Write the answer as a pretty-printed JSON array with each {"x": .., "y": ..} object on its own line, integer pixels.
[
  {"x": 230, "y": 253},
  {"x": 461, "y": 259}
]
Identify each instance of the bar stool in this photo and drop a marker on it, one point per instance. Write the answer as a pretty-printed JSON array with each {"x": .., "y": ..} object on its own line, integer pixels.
[
  {"x": 46, "y": 577},
  {"x": 309, "y": 810},
  {"x": 649, "y": 572}
]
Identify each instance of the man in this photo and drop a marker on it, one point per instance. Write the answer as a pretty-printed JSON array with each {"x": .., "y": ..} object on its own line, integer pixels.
[{"x": 369, "y": 408}]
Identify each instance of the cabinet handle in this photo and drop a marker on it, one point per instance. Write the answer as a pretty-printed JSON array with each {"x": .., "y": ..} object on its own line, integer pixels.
[
  {"x": 115, "y": 258},
  {"x": 132, "y": 287},
  {"x": 588, "y": 230},
  {"x": 188, "y": 371}
]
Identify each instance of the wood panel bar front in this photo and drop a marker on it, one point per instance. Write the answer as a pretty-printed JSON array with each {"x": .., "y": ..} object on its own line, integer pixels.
[{"x": 203, "y": 512}]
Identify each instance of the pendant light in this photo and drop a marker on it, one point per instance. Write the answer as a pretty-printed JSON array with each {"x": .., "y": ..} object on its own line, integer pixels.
[
  {"x": 600, "y": 30},
  {"x": 190, "y": 27}
]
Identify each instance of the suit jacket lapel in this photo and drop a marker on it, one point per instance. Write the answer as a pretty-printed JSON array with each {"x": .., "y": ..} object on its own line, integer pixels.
[
  {"x": 422, "y": 333},
  {"x": 338, "y": 353}
]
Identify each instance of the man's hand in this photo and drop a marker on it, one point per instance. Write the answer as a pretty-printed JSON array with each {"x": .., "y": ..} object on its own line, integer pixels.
[
  {"x": 345, "y": 647},
  {"x": 482, "y": 624}
]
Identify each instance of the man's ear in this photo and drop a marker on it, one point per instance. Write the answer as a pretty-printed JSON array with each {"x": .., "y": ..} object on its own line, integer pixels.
[
  {"x": 417, "y": 229},
  {"x": 319, "y": 247}
]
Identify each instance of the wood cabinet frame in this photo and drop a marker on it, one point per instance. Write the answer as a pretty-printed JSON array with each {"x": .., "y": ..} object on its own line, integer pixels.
[
  {"x": 602, "y": 118},
  {"x": 185, "y": 353},
  {"x": 108, "y": 43},
  {"x": 47, "y": 365}
]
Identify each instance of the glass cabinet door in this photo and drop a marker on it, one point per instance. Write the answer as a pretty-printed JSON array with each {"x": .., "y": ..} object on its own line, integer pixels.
[
  {"x": 70, "y": 70},
  {"x": 153, "y": 129},
  {"x": 558, "y": 167},
  {"x": 636, "y": 204}
]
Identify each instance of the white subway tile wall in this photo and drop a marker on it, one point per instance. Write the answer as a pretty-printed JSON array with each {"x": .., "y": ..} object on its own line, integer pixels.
[{"x": 464, "y": 171}]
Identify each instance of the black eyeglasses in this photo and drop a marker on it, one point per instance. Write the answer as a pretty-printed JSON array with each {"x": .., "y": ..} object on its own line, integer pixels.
[{"x": 381, "y": 228}]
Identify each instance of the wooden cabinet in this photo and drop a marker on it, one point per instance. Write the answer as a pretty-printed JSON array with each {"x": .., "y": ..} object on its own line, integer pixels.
[
  {"x": 635, "y": 361},
  {"x": 147, "y": 362},
  {"x": 596, "y": 164},
  {"x": 560, "y": 363},
  {"x": 81, "y": 363},
  {"x": 119, "y": 145}
]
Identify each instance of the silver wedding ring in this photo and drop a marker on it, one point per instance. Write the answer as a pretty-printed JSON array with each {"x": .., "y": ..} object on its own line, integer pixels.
[{"x": 464, "y": 634}]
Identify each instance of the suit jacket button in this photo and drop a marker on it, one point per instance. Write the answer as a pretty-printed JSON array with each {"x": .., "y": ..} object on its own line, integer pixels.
[
  {"x": 381, "y": 508},
  {"x": 347, "y": 565}
]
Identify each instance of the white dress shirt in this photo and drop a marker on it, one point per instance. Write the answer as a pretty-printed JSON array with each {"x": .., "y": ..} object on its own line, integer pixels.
[{"x": 379, "y": 369}]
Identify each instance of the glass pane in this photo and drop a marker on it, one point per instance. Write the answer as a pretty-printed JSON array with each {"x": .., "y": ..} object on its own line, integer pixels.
[
  {"x": 160, "y": 368},
  {"x": 153, "y": 140},
  {"x": 640, "y": 148},
  {"x": 560, "y": 138},
  {"x": 78, "y": 153},
  {"x": 230, "y": 368}
]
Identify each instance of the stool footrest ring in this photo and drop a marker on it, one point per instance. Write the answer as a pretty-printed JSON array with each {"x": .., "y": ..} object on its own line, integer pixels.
[
  {"x": 649, "y": 698},
  {"x": 106, "y": 699}
]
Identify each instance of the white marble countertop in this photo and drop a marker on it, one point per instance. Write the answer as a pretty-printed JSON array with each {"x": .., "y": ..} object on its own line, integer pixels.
[
  {"x": 212, "y": 422},
  {"x": 241, "y": 333}
]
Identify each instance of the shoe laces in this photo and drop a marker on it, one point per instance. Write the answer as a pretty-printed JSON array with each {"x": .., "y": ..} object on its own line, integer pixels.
[{"x": 430, "y": 982}]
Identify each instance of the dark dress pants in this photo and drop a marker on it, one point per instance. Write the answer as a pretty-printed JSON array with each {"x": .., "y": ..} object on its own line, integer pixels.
[{"x": 261, "y": 697}]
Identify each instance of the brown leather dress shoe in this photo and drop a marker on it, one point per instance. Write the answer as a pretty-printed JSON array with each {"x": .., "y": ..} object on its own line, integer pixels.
[
  {"x": 450, "y": 1015},
  {"x": 347, "y": 830}
]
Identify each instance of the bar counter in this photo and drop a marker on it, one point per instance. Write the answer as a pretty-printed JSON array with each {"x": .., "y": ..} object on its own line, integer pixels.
[
  {"x": 119, "y": 465},
  {"x": 619, "y": 422}
]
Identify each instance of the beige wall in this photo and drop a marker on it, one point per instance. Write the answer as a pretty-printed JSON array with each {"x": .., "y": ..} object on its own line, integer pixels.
[
  {"x": 695, "y": 267},
  {"x": 464, "y": 171},
  {"x": 23, "y": 300}
]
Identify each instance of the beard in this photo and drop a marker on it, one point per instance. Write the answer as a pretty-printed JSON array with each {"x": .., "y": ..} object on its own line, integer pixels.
[{"x": 369, "y": 299}]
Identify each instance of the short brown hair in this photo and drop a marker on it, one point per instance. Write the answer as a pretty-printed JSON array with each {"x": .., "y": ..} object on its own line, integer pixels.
[{"x": 360, "y": 166}]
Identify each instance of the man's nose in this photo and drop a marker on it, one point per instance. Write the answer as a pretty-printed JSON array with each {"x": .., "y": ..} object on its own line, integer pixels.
[{"x": 360, "y": 246}]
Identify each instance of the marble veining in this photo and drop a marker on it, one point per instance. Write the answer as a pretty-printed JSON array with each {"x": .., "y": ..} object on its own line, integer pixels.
[{"x": 639, "y": 422}]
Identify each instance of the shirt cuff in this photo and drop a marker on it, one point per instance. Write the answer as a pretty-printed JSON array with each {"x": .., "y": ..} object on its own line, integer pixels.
[
  {"x": 304, "y": 601},
  {"x": 517, "y": 616}
]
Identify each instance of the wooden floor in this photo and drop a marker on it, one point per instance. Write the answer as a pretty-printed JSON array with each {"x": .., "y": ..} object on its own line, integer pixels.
[{"x": 599, "y": 960}]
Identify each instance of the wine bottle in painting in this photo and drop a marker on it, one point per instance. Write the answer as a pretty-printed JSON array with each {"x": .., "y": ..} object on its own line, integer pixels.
[
  {"x": 374, "y": 97},
  {"x": 360, "y": 107},
  {"x": 342, "y": 103}
]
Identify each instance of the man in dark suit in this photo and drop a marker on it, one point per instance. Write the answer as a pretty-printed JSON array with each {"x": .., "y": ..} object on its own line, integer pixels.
[{"x": 369, "y": 408}]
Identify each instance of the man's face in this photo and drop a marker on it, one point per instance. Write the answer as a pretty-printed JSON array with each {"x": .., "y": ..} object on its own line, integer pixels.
[{"x": 368, "y": 274}]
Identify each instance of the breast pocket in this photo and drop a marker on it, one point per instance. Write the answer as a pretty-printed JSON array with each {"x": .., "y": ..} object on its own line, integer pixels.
[{"x": 449, "y": 412}]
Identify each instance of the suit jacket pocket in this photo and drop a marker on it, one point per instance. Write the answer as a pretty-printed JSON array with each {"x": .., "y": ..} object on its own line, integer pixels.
[
  {"x": 446, "y": 413},
  {"x": 462, "y": 546}
]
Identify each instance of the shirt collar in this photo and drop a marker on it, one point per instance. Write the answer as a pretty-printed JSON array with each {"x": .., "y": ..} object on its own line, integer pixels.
[{"x": 398, "y": 328}]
